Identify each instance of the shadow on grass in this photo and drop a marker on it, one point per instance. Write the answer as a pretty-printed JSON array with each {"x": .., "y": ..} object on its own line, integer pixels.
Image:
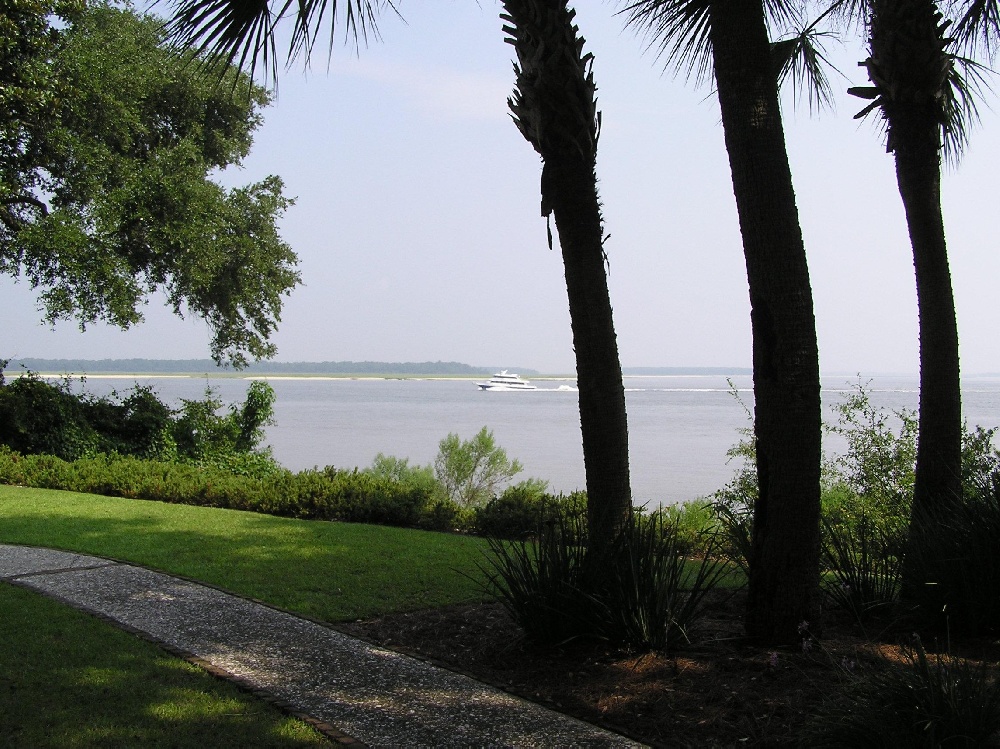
[
  {"x": 329, "y": 571},
  {"x": 67, "y": 679}
]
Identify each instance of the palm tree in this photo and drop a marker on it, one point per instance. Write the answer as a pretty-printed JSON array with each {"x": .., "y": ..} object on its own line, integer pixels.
[
  {"x": 730, "y": 38},
  {"x": 925, "y": 103},
  {"x": 555, "y": 109}
]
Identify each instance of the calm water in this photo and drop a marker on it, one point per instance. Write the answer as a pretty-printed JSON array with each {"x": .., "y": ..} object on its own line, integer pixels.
[{"x": 679, "y": 427}]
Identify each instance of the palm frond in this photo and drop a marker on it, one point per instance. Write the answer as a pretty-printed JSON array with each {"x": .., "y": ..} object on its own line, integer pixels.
[
  {"x": 801, "y": 58},
  {"x": 849, "y": 13},
  {"x": 230, "y": 32},
  {"x": 966, "y": 84},
  {"x": 978, "y": 25},
  {"x": 360, "y": 22},
  {"x": 917, "y": 63},
  {"x": 679, "y": 31},
  {"x": 782, "y": 12},
  {"x": 242, "y": 32}
]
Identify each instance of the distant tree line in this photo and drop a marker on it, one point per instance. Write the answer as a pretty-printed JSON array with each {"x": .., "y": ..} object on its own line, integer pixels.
[
  {"x": 132, "y": 366},
  {"x": 263, "y": 367}
]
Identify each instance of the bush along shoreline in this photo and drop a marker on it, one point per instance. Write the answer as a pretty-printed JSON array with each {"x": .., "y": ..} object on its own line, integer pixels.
[
  {"x": 354, "y": 496},
  {"x": 205, "y": 453}
]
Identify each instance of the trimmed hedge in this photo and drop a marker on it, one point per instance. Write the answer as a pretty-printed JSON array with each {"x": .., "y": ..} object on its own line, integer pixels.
[
  {"x": 318, "y": 494},
  {"x": 327, "y": 494}
]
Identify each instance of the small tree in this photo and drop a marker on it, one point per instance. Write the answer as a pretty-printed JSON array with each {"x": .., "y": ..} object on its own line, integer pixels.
[
  {"x": 471, "y": 471},
  {"x": 399, "y": 470},
  {"x": 201, "y": 433}
]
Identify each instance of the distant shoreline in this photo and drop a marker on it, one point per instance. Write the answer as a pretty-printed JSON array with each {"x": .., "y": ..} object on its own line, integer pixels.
[
  {"x": 206, "y": 368},
  {"x": 326, "y": 370}
]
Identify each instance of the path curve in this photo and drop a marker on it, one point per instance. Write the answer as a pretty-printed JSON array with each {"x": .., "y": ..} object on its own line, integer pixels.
[{"x": 356, "y": 692}]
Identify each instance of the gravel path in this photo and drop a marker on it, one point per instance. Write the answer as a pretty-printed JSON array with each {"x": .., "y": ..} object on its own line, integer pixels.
[{"x": 358, "y": 693}]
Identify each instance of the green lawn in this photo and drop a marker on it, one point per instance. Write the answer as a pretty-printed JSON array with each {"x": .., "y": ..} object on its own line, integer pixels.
[
  {"x": 69, "y": 680},
  {"x": 328, "y": 571}
]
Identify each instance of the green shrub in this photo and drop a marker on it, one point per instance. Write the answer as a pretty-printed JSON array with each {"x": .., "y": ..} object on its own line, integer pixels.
[
  {"x": 521, "y": 509},
  {"x": 938, "y": 701},
  {"x": 980, "y": 461},
  {"x": 441, "y": 514},
  {"x": 866, "y": 495},
  {"x": 878, "y": 466},
  {"x": 733, "y": 504},
  {"x": 139, "y": 425},
  {"x": 42, "y": 417},
  {"x": 542, "y": 583},
  {"x": 399, "y": 470},
  {"x": 655, "y": 591},
  {"x": 358, "y": 498},
  {"x": 327, "y": 494},
  {"x": 259, "y": 464},
  {"x": 695, "y": 524},
  {"x": 201, "y": 433}
]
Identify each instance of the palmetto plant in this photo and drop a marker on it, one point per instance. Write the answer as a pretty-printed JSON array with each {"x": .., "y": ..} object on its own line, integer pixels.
[{"x": 729, "y": 40}]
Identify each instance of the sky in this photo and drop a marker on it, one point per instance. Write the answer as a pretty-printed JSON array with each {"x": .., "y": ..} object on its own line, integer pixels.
[{"x": 419, "y": 236}]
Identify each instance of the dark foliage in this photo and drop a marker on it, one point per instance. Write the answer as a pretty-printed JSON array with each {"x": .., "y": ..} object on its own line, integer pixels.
[
  {"x": 42, "y": 417},
  {"x": 37, "y": 416},
  {"x": 643, "y": 594},
  {"x": 519, "y": 511},
  {"x": 930, "y": 701},
  {"x": 959, "y": 565}
]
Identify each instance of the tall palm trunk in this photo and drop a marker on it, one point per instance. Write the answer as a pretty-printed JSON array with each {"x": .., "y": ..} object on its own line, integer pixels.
[
  {"x": 909, "y": 67},
  {"x": 784, "y": 564},
  {"x": 554, "y": 107}
]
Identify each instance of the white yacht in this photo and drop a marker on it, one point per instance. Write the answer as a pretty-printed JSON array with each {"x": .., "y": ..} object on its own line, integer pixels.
[{"x": 506, "y": 381}]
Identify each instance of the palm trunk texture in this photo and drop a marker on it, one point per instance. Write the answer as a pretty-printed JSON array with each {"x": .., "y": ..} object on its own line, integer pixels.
[
  {"x": 909, "y": 65},
  {"x": 554, "y": 107},
  {"x": 784, "y": 565}
]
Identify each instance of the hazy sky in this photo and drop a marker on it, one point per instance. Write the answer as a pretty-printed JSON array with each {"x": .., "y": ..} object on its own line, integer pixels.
[{"x": 417, "y": 217}]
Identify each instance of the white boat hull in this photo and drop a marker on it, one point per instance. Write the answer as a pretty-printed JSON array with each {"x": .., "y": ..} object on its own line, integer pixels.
[{"x": 506, "y": 381}]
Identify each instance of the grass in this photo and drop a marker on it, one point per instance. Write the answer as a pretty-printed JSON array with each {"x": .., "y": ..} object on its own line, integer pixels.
[
  {"x": 69, "y": 680},
  {"x": 327, "y": 571}
]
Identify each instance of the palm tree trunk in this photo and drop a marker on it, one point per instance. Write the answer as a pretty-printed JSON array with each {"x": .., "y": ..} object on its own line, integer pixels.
[
  {"x": 909, "y": 65},
  {"x": 569, "y": 185},
  {"x": 939, "y": 440},
  {"x": 554, "y": 107},
  {"x": 784, "y": 565}
]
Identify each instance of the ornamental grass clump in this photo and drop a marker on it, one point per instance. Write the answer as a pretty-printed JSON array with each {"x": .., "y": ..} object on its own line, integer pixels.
[
  {"x": 654, "y": 592},
  {"x": 926, "y": 701},
  {"x": 864, "y": 562},
  {"x": 541, "y": 582},
  {"x": 643, "y": 594}
]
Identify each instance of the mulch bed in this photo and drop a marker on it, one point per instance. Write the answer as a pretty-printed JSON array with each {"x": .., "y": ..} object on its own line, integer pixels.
[{"x": 721, "y": 691}]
